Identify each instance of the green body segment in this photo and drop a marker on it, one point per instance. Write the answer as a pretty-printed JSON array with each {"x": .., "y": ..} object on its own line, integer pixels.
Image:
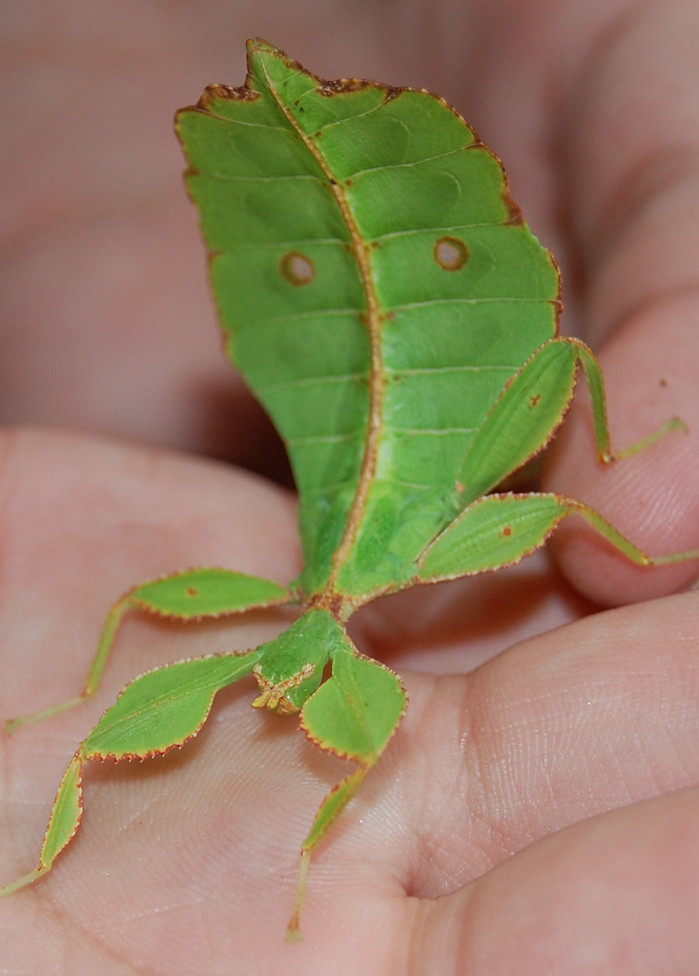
[
  {"x": 366, "y": 240},
  {"x": 292, "y": 665}
]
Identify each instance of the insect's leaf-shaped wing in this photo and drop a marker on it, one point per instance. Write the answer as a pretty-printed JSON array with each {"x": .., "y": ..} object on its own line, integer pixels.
[{"x": 377, "y": 287}]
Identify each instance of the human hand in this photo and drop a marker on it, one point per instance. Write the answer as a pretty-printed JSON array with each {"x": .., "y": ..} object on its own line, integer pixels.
[{"x": 537, "y": 814}]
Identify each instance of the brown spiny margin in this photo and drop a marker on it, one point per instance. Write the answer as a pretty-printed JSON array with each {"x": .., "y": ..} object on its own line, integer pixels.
[
  {"x": 118, "y": 757},
  {"x": 514, "y": 214},
  {"x": 213, "y": 92},
  {"x": 341, "y": 85},
  {"x": 516, "y": 219}
]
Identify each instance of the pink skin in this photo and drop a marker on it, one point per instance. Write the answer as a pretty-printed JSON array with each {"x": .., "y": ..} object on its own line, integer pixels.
[{"x": 550, "y": 795}]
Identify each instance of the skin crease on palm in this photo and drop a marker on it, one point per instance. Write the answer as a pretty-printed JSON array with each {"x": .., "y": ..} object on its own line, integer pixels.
[{"x": 536, "y": 814}]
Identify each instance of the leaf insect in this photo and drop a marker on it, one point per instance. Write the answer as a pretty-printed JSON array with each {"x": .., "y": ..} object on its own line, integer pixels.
[{"x": 387, "y": 304}]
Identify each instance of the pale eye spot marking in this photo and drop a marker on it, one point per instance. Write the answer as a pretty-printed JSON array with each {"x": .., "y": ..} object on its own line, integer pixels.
[
  {"x": 450, "y": 253},
  {"x": 297, "y": 268}
]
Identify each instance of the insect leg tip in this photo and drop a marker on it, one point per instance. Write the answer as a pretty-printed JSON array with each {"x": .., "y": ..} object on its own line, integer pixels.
[{"x": 293, "y": 930}]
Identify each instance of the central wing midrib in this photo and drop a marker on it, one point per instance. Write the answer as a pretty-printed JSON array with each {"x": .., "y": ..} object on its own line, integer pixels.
[{"x": 376, "y": 374}]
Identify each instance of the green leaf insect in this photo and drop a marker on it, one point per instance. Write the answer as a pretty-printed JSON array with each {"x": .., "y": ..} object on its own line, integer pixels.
[{"x": 387, "y": 304}]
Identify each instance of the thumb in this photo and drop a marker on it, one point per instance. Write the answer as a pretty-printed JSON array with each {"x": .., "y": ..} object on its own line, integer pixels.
[
  {"x": 630, "y": 175},
  {"x": 608, "y": 894}
]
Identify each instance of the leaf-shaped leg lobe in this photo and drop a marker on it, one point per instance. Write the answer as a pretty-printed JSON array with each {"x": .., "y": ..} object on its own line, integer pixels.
[
  {"x": 195, "y": 594},
  {"x": 63, "y": 823},
  {"x": 165, "y": 707},
  {"x": 158, "y": 711},
  {"x": 530, "y": 409},
  {"x": 499, "y": 530},
  {"x": 353, "y": 714},
  {"x": 522, "y": 419}
]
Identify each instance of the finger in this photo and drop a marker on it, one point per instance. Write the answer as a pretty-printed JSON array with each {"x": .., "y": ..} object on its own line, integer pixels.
[
  {"x": 618, "y": 893},
  {"x": 652, "y": 497},
  {"x": 587, "y": 718},
  {"x": 631, "y": 166},
  {"x": 631, "y": 150}
]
